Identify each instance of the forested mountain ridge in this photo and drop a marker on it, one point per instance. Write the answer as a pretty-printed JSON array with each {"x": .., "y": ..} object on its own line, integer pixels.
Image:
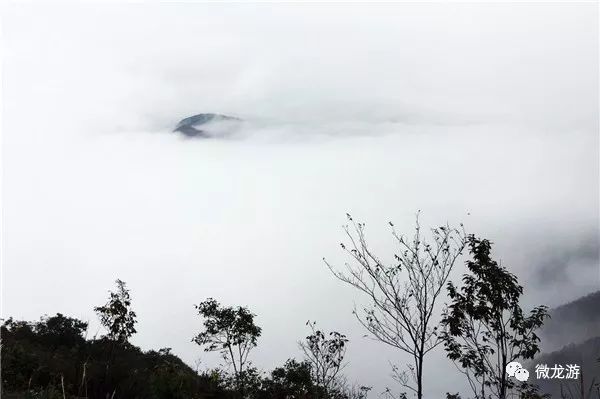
[{"x": 572, "y": 323}]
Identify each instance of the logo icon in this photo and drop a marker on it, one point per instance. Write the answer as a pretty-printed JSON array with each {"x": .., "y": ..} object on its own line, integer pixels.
[
  {"x": 522, "y": 375},
  {"x": 515, "y": 369},
  {"x": 512, "y": 367}
]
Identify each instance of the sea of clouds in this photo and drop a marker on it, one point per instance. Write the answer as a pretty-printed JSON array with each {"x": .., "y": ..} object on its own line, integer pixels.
[{"x": 480, "y": 114}]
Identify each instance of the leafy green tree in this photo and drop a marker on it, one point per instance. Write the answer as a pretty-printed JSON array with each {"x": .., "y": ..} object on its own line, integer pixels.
[
  {"x": 485, "y": 327},
  {"x": 325, "y": 354},
  {"x": 230, "y": 331},
  {"x": 61, "y": 330},
  {"x": 292, "y": 380},
  {"x": 117, "y": 315},
  {"x": 32, "y": 350},
  {"x": 403, "y": 295},
  {"x": 297, "y": 380},
  {"x": 251, "y": 380}
]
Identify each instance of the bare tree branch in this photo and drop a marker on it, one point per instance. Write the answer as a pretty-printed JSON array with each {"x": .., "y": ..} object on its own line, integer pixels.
[{"x": 403, "y": 295}]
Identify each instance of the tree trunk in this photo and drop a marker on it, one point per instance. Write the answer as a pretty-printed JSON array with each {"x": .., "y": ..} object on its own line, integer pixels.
[
  {"x": 503, "y": 378},
  {"x": 420, "y": 377}
]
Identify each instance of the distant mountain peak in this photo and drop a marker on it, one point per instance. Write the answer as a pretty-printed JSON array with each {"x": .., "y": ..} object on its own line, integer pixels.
[{"x": 197, "y": 125}]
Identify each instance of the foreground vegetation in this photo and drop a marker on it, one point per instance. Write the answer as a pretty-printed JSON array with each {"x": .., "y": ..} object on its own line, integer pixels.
[
  {"x": 51, "y": 358},
  {"x": 482, "y": 329}
]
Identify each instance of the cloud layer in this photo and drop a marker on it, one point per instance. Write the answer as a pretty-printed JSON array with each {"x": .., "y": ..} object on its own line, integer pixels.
[{"x": 482, "y": 114}]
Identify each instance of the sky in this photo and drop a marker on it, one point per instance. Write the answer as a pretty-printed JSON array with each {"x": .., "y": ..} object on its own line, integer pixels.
[{"x": 482, "y": 114}]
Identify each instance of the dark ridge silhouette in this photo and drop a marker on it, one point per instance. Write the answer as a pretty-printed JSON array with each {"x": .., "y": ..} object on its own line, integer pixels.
[
  {"x": 51, "y": 359},
  {"x": 40, "y": 359},
  {"x": 572, "y": 323},
  {"x": 572, "y": 336}
]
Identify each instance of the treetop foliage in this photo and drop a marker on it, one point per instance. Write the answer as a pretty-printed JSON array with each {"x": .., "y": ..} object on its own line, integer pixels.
[
  {"x": 485, "y": 327},
  {"x": 226, "y": 326},
  {"x": 117, "y": 315}
]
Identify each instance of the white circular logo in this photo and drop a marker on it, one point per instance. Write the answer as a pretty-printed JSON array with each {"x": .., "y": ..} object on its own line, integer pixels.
[{"x": 512, "y": 367}]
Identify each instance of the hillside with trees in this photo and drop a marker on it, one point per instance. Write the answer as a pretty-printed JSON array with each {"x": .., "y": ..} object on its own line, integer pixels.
[{"x": 481, "y": 329}]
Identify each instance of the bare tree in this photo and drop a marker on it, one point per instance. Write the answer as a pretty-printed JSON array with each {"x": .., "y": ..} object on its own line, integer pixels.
[
  {"x": 403, "y": 295},
  {"x": 326, "y": 357}
]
